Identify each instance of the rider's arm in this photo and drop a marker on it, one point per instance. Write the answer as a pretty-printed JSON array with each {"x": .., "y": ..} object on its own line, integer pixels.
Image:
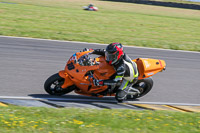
[
  {"x": 99, "y": 52},
  {"x": 117, "y": 77},
  {"x": 96, "y": 51},
  {"x": 114, "y": 79}
]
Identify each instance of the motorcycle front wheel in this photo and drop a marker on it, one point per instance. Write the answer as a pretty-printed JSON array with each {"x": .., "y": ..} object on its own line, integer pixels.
[{"x": 53, "y": 86}]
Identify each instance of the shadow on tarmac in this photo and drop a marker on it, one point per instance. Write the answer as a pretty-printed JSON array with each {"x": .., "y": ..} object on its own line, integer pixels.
[
  {"x": 81, "y": 101},
  {"x": 69, "y": 97}
]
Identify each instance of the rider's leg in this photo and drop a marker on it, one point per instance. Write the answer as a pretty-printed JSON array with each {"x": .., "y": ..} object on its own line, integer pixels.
[
  {"x": 123, "y": 90},
  {"x": 128, "y": 81},
  {"x": 125, "y": 87}
]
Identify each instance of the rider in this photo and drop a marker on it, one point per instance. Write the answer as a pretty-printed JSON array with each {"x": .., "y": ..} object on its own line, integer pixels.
[
  {"x": 91, "y": 7},
  {"x": 126, "y": 69}
]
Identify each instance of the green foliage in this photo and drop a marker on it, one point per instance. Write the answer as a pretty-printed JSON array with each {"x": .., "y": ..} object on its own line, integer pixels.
[
  {"x": 130, "y": 24},
  {"x": 69, "y": 120}
]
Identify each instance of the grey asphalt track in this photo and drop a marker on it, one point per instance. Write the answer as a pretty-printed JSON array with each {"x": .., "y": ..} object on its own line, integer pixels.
[{"x": 25, "y": 64}]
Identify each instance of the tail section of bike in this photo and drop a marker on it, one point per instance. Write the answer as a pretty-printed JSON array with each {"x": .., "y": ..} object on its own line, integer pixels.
[{"x": 147, "y": 67}]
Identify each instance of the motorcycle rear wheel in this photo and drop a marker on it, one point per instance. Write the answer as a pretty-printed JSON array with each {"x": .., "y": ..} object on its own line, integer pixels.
[
  {"x": 144, "y": 86},
  {"x": 53, "y": 86}
]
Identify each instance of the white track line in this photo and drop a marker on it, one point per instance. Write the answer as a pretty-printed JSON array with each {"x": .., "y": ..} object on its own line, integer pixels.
[
  {"x": 100, "y": 100},
  {"x": 97, "y": 44}
]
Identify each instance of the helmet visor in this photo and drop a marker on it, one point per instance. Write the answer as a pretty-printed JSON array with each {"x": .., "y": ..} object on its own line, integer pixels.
[{"x": 111, "y": 56}]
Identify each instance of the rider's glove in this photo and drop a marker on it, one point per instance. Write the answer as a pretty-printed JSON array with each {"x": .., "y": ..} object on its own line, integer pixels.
[{"x": 98, "y": 82}]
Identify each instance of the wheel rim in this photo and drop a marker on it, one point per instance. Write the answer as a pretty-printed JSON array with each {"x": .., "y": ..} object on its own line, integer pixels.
[
  {"x": 55, "y": 87},
  {"x": 141, "y": 86}
]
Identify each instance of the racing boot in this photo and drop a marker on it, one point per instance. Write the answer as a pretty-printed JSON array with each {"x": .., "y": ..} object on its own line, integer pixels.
[
  {"x": 127, "y": 93},
  {"x": 121, "y": 94}
]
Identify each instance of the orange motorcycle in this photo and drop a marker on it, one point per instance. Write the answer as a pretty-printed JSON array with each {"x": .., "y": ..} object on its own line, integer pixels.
[{"x": 83, "y": 67}]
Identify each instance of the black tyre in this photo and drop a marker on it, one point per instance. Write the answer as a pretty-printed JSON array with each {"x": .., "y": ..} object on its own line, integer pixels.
[
  {"x": 144, "y": 86},
  {"x": 53, "y": 86}
]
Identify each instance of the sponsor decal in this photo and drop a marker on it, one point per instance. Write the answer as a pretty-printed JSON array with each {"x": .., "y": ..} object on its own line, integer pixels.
[
  {"x": 84, "y": 70},
  {"x": 150, "y": 74},
  {"x": 73, "y": 57},
  {"x": 147, "y": 64},
  {"x": 160, "y": 63}
]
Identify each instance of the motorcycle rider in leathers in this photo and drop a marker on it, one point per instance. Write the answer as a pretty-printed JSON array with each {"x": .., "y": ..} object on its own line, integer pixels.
[{"x": 126, "y": 69}]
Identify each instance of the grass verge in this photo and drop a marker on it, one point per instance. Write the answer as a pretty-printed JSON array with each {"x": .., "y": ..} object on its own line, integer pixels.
[
  {"x": 70, "y": 120},
  {"x": 128, "y": 23}
]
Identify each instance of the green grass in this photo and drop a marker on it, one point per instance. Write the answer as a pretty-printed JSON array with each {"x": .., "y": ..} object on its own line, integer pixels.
[
  {"x": 14, "y": 119},
  {"x": 128, "y": 23}
]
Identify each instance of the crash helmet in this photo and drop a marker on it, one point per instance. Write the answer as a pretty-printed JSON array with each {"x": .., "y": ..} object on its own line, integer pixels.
[
  {"x": 114, "y": 52},
  {"x": 90, "y": 5}
]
